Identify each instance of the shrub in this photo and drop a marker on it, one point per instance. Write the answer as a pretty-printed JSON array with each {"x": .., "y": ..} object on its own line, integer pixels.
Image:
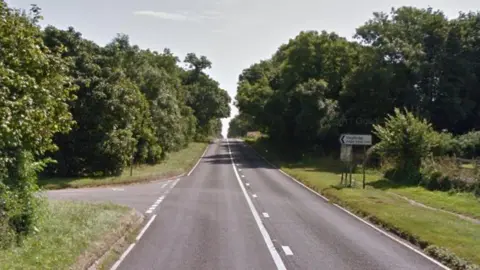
[
  {"x": 406, "y": 141},
  {"x": 468, "y": 145},
  {"x": 444, "y": 174}
]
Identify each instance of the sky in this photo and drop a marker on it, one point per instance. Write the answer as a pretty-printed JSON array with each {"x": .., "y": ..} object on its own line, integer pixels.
[{"x": 233, "y": 34}]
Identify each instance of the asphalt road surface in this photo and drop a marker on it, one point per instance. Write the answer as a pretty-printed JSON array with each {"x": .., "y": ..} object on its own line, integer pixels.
[{"x": 234, "y": 211}]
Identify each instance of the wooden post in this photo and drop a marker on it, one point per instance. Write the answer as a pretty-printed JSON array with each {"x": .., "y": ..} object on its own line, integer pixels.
[
  {"x": 131, "y": 166},
  {"x": 364, "y": 164},
  {"x": 351, "y": 167}
]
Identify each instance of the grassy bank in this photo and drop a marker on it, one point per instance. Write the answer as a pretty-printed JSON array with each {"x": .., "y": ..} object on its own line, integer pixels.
[
  {"x": 66, "y": 235},
  {"x": 177, "y": 163},
  {"x": 424, "y": 227}
]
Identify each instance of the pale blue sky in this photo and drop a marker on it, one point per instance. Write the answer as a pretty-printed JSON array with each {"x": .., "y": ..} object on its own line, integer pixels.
[{"x": 233, "y": 34}]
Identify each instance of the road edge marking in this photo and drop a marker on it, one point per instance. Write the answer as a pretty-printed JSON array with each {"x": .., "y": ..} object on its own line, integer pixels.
[
  {"x": 266, "y": 237},
  {"x": 145, "y": 228},
  {"x": 434, "y": 261},
  {"x": 200, "y": 159},
  {"x": 124, "y": 255},
  {"x": 393, "y": 238}
]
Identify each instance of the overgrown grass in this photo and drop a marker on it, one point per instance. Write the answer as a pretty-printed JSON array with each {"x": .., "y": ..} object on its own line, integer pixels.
[
  {"x": 421, "y": 226},
  {"x": 66, "y": 231},
  {"x": 177, "y": 163}
]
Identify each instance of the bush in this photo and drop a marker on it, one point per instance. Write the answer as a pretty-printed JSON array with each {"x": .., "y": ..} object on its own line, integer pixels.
[
  {"x": 444, "y": 174},
  {"x": 406, "y": 141},
  {"x": 468, "y": 145}
]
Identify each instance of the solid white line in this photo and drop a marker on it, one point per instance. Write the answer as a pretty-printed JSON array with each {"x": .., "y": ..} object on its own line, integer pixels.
[
  {"x": 266, "y": 237},
  {"x": 287, "y": 250},
  {"x": 393, "y": 238},
  {"x": 145, "y": 228},
  {"x": 117, "y": 264},
  {"x": 357, "y": 217},
  {"x": 254, "y": 195},
  {"x": 200, "y": 159},
  {"x": 265, "y": 215}
]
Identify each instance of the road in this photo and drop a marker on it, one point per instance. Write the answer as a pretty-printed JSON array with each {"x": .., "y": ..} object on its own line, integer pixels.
[{"x": 234, "y": 211}]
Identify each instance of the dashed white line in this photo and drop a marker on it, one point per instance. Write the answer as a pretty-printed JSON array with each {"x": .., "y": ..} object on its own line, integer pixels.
[
  {"x": 265, "y": 215},
  {"x": 266, "y": 237},
  {"x": 117, "y": 264},
  {"x": 254, "y": 195},
  {"x": 243, "y": 176},
  {"x": 287, "y": 250},
  {"x": 145, "y": 228},
  {"x": 247, "y": 184},
  {"x": 355, "y": 216},
  {"x": 154, "y": 205},
  {"x": 164, "y": 185}
]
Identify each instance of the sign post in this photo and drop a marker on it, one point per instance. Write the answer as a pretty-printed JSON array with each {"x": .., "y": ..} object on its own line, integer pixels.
[{"x": 349, "y": 140}]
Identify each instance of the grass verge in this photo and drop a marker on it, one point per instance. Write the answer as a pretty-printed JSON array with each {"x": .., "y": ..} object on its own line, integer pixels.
[
  {"x": 177, "y": 163},
  {"x": 72, "y": 235},
  {"x": 449, "y": 239}
]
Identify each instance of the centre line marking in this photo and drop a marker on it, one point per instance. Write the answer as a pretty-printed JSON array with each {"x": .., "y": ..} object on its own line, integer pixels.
[
  {"x": 287, "y": 250},
  {"x": 266, "y": 215},
  {"x": 266, "y": 237}
]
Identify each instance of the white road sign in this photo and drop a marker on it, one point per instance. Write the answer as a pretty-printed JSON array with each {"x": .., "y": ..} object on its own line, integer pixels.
[{"x": 356, "y": 139}]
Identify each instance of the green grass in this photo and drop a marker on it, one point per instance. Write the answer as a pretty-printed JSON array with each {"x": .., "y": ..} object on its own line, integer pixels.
[
  {"x": 177, "y": 163},
  {"x": 66, "y": 231},
  {"x": 421, "y": 226}
]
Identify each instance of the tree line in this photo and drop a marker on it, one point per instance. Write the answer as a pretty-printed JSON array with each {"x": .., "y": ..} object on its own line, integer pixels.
[
  {"x": 319, "y": 85},
  {"x": 70, "y": 107}
]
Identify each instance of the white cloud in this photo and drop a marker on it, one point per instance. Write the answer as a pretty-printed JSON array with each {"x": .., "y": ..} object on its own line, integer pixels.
[
  {"x": 163, "y": 15},
  {"x": 182, "y": 16}
]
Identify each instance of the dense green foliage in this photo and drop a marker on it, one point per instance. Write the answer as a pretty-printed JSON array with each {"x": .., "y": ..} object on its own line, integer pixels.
[
  {"x": 406, "y": 141},
  {"x": 319, "y": 85},
  {"x": 81, "y": 109}
]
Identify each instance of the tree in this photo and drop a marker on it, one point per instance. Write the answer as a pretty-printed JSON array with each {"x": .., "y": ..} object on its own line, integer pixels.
[{"x": 33, "y": 107}]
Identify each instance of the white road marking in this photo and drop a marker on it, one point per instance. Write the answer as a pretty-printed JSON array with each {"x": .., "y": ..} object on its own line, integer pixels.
[
  {"x": 200, "y": 159},
  {"x": 145, "y": 228},
  {"x": 164, "y": 185},
  {"x": 254, "y": 195},
  {"x": 393, "y": 238},
  {"x": 284, "y": 173},
  {"x": 156, "y": 203},
  {"x": 243, "y": 176},
  {"x": 266, "y": 237},
  {"x": 287, "y": 250},
  {"x": 247, "y": 184},
  {"x": 117, "y": 264},
  {"x": 173, "y": 185},
  {"x": 265, "y": 215},
  {"x": 355, "y": 216},
  {"x": 118, "y": 189}
]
